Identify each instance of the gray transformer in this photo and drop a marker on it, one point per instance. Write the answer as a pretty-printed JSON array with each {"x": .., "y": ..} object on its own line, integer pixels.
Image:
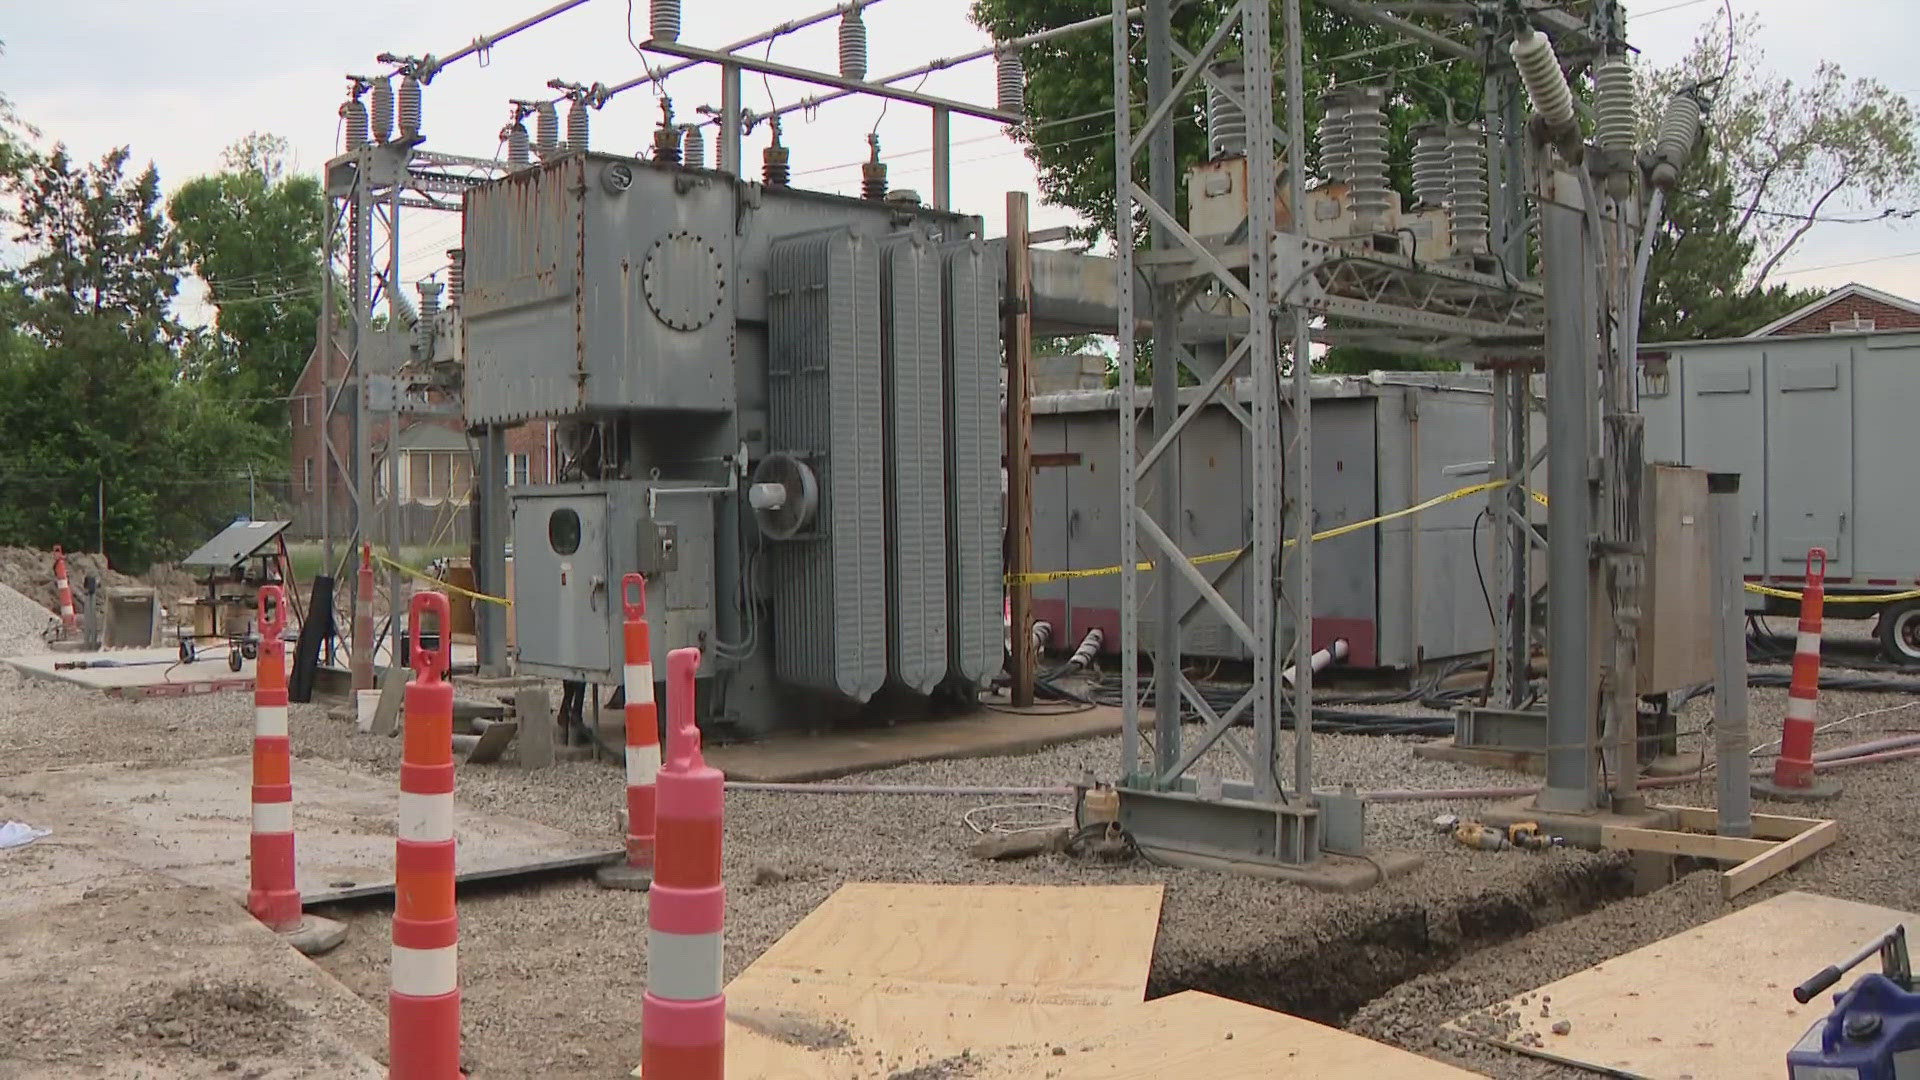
[{"x": 780, "y": 405}]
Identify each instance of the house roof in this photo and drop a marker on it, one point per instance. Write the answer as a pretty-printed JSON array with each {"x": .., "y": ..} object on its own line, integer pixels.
[{"x": 1845, "y": 292}]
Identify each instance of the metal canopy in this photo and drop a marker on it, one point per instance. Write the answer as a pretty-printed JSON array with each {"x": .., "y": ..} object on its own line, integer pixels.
[{"x": 235, "y": 544}]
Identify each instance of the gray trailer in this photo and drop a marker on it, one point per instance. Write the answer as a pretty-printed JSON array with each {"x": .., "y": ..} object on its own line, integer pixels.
[
  {"x": 1817, "y": 427},
  {"x": 1407, "y": 591}
]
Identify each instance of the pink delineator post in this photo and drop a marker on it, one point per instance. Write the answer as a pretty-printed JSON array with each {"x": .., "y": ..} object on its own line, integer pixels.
[{"x": 684, "y": 1015}]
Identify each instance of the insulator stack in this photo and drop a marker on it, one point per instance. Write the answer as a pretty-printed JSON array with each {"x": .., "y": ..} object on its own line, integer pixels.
[
  {"x": 1546, "y": 84},
  {"x": 353, "y": 117},
  {"x": 519, "y": 146},
  {"x": 1333, "y": 137},
  {"x": 666, "y": 144},
  {"x": 1679, "y": 132},
  {"x": 456, "y": 275},
  {"x": 400, "y": 309},
  {"x": 1226, "y": 120},
  {"x": 1616, "y": 123},
  {"x": 1432, "y": 165},
  {"x": 853, "y": 45},
  {"x": 1010, "y": 79},
  {"x": 578, "y": 124},
  {"x": 693, "y": 148},
  {"x": 1471, "y": 232},
  {"x": 429, "y": 314},
  {"x": 776, "y": 168},
  {"x": 663, "y": 20},
  {"x": 382, "y": 109},
  {"x": 1367, "y": 158},
  {"x": 873, "y": 173},
  {"x": 546, "y": 130},
  {"x": 410, "y": 108}
]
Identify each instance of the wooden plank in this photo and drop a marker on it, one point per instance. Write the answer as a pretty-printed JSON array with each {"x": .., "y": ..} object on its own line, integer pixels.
[
  {"x": 1765, "y": 826},
  {"x": 1784, "y": 856},
  {"x": 1714, "y": 1001},
  {"x": 1017, "y": 332},
  {"x": 1669, "y": 842},
  {"x": 1198, "y": 1035},
  {"x": 882, "y": 978}
]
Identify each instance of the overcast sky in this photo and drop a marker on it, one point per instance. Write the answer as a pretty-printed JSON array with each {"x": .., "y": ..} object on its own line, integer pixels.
[{"x": 181, "y": 80}]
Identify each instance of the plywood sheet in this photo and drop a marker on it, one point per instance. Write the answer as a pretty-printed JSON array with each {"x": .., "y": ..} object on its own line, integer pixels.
[
  {"x": 883, "y": 978},
  {"x": 1204, "y": 1037},
  {"x": 1714, "y": 1001},
  {"x": 192, "y": 822}
]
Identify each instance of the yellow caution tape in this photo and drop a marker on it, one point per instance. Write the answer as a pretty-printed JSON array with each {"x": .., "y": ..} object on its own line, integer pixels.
[
  {"x": 1845, "y": 598},
  {"x": 1046, "y": 576},
  {"x": 438, "y": 583}
]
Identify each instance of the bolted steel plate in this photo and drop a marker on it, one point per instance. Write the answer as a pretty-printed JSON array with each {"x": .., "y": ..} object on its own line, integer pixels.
[{"x": 683, "y": 281}]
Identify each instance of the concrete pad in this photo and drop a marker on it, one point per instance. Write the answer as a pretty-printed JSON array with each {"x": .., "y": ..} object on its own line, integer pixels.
[
  {"x": 191, "y": 821},
  {"x": 155, "y": 668},
  {"x": 1819, "y": 791},
  {"x": 147, "y": 977},
  {"x": 789, "y": 759}
]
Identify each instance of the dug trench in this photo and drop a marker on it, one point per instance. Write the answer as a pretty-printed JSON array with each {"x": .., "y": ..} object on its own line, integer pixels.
[{"x": 1332, "y": 977}]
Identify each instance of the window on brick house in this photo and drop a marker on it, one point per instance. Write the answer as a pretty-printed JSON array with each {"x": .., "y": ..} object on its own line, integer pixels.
[
  {"x": 519, "y": 470},
  {"x": 1853, "y": 325},
  {"x": 306, "y": 409},
  {"x": 308, "y": 471}
]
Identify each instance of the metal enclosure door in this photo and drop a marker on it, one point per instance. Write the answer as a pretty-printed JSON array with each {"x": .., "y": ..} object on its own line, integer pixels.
[
  {"x": 1723, "y": 425},
  {"x": 1810, "y": 457},
  {"x": 560, "y": 590}
]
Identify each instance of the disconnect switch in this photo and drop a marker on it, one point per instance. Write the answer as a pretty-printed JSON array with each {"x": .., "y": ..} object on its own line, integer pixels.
[{"x": 659, "y": 548}]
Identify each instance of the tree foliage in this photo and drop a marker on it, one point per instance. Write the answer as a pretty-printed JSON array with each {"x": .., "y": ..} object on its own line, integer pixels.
[
  {"x": 252, "y": 233},
  {"x": 90, "y": 396},
  {"x": 1791, "y": 153},
  {"x": 1070, "y": 94}
]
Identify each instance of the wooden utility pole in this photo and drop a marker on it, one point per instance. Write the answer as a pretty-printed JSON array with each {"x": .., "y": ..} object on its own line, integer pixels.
[{"x": 1017, "y": 306}]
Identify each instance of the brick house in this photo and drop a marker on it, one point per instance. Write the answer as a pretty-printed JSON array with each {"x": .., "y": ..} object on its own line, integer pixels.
[
  {"x": 437, "y": 467},
  {"x": 1855, "y": 308}
]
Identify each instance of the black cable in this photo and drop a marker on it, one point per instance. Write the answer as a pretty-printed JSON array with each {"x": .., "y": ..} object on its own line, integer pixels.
[{"x": 1485, "y": 594}]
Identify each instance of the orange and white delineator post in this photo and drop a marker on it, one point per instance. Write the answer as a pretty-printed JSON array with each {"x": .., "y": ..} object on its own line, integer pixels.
[
  {"x": 423, "y": 1009},
  {"x": 643, "y": 743},
  {"x": 273, "y": 896},
  {"x": 1793, "y": 774},
  {"x": 69, "y": 620},
  {"x": 683, "y": 1017}
]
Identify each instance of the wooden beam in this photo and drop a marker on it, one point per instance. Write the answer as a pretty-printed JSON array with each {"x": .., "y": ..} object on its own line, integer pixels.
[
  {"x": 1696, "y": 845},
  {"x": 1018, "y": 336},
  {"x": 1784, "y": 856},
  {"x": 1061, "y": 460},
  {"x": 1765, "y": 826}
]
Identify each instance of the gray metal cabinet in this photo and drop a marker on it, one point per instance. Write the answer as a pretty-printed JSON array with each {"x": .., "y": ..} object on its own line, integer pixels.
[{"x": 1809, "y": 457}]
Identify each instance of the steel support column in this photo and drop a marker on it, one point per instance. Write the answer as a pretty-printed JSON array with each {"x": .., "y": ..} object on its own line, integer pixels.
[
  {"x": 1566, "y": 265},
  {"x": 1165, "y": 353}
]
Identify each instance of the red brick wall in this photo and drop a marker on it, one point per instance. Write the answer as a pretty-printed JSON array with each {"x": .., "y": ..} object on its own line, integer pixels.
[
  {"x": 305, "y": 410},
  {"x": 1883, "y": 317}
]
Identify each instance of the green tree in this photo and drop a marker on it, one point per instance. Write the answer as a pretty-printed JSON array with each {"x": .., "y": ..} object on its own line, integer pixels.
[
  {"x": 1781, "y": 156},
  {"x": 1070, "y": 102},
  {"x": 90, "y": 397},
  {"x": 252, "y": 233}
]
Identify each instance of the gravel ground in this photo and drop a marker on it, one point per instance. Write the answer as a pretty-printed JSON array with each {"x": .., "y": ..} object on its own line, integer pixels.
[
  {"x": 23, "y": 623},
  {"x": 566, "y": 960}
]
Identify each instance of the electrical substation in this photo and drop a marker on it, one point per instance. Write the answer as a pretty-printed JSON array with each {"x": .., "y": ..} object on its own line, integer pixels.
[
  {"x": 1214, "y": 621},
  {"x": 781, "y": 405}
]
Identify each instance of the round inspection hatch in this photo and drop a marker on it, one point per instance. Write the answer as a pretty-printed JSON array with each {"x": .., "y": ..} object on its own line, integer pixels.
[{"x": 683, "y": 280}]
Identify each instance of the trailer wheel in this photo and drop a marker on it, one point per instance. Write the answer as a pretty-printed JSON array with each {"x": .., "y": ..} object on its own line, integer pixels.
[{"x": 1900, "y": 632}]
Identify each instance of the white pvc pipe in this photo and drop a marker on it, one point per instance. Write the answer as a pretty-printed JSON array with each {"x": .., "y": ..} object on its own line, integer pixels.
[{"x": 1322, "y": 659}]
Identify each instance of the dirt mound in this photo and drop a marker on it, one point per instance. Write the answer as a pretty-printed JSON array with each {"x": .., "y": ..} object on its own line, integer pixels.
[
  {"x": 30, "y": 571},
  {"x": 23, "y": 623},
  {"x": 213, "y": 1018}
]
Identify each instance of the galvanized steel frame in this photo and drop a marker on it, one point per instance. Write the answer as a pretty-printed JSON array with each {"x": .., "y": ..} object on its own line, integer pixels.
[{"x": 1280, "y": 574}]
